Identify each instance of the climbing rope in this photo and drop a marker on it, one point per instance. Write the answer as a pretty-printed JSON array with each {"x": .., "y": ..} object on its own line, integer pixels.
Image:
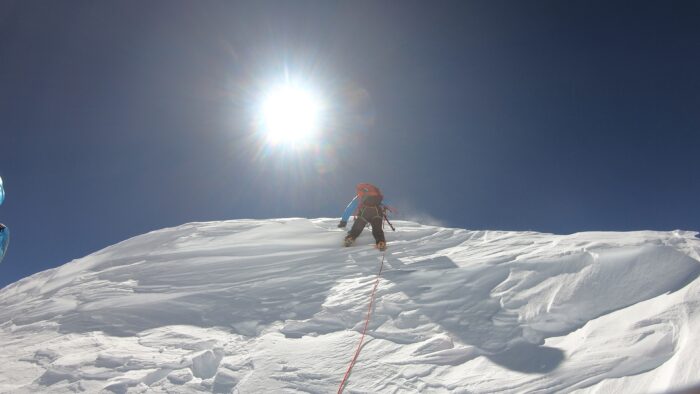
[{"x": 364, "y": 330}]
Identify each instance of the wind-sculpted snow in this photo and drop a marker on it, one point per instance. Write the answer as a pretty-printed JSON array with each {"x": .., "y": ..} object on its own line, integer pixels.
[{"x": 252, "y": 306}]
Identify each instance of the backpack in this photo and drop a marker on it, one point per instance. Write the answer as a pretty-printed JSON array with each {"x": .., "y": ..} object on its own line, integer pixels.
[{"x": 368, "y": 195}]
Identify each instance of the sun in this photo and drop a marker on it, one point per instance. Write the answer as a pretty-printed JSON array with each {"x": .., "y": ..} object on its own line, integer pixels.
[{"x": 291, "y": 115}]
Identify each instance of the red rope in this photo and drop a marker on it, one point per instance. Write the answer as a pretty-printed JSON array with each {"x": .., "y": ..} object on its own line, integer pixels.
[{"x": 362, "y": 338}]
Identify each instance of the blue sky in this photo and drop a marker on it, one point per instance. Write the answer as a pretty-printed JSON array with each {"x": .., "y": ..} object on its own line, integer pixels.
[{"x": 119, "y": 118}]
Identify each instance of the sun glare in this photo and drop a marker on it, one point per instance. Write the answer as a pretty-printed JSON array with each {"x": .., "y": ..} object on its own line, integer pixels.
[{"x": 290, "y": 115}]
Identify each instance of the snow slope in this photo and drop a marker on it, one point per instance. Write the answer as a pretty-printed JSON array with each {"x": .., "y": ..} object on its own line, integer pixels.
[{"x": 255, "y": 306}]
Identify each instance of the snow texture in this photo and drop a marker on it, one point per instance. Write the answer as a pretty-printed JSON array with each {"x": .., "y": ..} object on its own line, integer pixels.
[{"x": 250, "y": 306}]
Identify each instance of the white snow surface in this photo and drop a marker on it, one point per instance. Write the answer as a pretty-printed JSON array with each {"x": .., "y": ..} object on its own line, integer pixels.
[{"x": 267, "y": 306}]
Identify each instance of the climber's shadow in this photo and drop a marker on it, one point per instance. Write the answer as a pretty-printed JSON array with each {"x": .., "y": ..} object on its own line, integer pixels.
[
  {"x": 463, "y": 306},
  {"x": 528, "y": 357}
]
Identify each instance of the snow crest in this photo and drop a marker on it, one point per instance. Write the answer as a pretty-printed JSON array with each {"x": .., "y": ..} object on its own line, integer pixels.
[{"x": 251, "y": 306}]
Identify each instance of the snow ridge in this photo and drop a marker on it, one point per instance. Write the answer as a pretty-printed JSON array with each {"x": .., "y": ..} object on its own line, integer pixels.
[{"x": 278, "y": 305}]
